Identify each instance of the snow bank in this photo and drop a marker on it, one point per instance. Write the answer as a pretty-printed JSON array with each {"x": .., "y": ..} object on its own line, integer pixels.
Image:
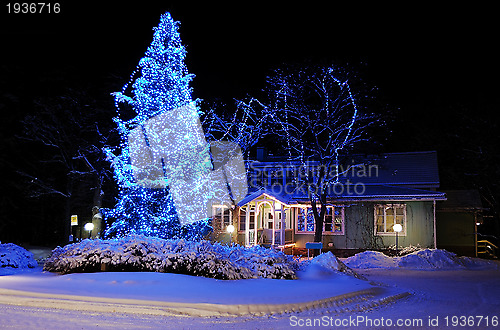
[
  {"x": 479, "y": 264},
  {"x": 442, "y": 259},
  {"x": 426, "y": 259},
  {"x": 325, "y": 265},
  {"x": 431, "y": 259},
  {"x": 370, "y": 259},
  {"x": 150, "y": 254},
  {"x": 14, "y": 256}
]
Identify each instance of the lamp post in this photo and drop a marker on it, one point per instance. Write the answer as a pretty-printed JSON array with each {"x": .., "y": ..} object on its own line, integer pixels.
[
  {"x": 230, "y": 230},
  {"x": 397, "y": 229},
  {"x": 89, "y": 226}
]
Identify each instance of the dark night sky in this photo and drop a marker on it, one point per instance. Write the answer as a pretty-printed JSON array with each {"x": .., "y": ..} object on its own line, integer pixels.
[
  {"x": 415, "y": 55},
  {"x": 424, "y": 60}
]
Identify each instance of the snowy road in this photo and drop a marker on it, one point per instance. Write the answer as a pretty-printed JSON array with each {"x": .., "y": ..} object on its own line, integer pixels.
[
  {"x": 435, "y": 296},
  {"x": 442, "y": 294}
]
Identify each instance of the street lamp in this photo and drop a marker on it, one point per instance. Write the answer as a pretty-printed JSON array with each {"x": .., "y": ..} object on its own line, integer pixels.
[
  {"x": 397, "y": 229},
  {"x": 89, "y": 226},
  {"x": 230, "y": 230}
]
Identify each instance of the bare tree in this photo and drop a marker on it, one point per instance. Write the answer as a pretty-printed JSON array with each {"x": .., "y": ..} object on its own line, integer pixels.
[
  {"x": 246, "y": 125},
  {"x": 315, "y": 113},
  {"x": 66, "y": 140}
]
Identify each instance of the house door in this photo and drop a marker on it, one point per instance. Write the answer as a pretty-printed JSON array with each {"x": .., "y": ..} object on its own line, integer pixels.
[
  {"x": 252, "y": 226},
  {"x": 268, "y": 219},
  {"x": 268, "y": 222}
]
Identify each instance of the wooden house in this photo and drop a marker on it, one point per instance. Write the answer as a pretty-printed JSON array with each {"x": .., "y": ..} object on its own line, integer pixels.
[{"x": 372, "y": 194}]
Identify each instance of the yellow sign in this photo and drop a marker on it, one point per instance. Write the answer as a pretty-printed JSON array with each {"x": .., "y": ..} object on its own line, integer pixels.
[{"x": 74, "y": 220}]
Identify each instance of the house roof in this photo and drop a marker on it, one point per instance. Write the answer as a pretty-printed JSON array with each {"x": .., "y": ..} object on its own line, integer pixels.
[
  {"x": 365, "y": 193},
  {"x": 384, "y": 177},
  {"x": 413, "y": 169},
  {"x": 461, "y": 200}
]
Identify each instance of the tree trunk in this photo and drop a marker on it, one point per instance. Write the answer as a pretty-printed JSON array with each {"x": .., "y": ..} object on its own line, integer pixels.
[
  {"x": 66, "y": 221},
  {"x": 319, "y": 217},
  {"x": 96, "y": 214}
]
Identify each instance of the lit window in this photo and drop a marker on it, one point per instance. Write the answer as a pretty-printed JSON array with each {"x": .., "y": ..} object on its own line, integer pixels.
[
  {"x": 332, "y": 225},
  {"x": 305, "y": 220},
  {"x": 334, "y": 221},
  {"x": 387, "y": 215},
  {"x": 243, "y": 219},
  {"x": 221, "y": 218}
]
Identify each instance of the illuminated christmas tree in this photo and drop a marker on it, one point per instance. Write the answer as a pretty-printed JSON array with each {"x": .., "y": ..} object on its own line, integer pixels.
[{"x": 159, "y": 84}]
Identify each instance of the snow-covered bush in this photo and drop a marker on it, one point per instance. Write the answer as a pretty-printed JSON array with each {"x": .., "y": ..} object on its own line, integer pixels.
[
  {"x": 14, "y": 256},
  {"x": 141, "y": 253},
  {"x": 402, "y": 251}
]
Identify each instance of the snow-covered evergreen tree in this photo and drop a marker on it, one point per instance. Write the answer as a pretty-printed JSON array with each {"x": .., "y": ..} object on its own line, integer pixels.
[{"x": 162, "y": 85}]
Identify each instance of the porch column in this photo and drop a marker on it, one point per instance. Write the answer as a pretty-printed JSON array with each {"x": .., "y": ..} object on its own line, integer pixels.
[
  {"x": 434, "y": 215},
  {"x": 282, "y": 233},
  {"x": 255, "y": 214},
  {"x": 247, "y": 225},
  {"x": 274, "y": 223}
]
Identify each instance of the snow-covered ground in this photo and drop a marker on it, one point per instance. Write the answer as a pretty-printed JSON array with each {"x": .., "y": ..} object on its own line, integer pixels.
[
  {"x": 179, "y": 288},
  {"x": 452, "y": 291},
  {"x": 435, "y": 295}
]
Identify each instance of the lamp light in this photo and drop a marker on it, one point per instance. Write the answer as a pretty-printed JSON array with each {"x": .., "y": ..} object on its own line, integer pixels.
[
  {"x": 89, "y": 226},
  {"x": 397, "y": 228}
]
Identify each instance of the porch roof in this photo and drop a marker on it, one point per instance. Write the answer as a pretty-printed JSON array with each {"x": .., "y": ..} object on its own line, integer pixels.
[{"x": 366, "y": 193}]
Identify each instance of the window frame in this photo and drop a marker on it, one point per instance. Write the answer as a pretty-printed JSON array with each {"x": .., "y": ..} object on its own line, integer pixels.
[
  {"x": 333, "y": 207},
  {"x": 394, "y": 206},
  {"x": 223, "y": 226}
]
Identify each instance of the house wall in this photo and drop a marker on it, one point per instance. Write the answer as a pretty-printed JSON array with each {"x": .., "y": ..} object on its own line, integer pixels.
[
  {"x": 420, "y": 226},
  {"x": 359, "y": 222},
  {"x": 455, "y": 232}
]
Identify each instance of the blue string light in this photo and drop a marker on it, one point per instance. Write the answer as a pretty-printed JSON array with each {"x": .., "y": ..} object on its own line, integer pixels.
[{"x": 163, "y": 85}]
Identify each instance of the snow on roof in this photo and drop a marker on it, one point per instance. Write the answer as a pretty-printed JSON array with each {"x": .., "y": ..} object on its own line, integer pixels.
[
  {"x": 365, "y": 193},
  {"x": 463, "y": 200}
]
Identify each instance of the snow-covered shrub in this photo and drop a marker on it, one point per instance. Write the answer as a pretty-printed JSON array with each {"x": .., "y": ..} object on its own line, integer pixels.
[
  {"x": 402, "y": 251},
  {"x": 141, "y": 253},
  {"x": 263, "y": 262},
  {"x": 14, "y": 256}
]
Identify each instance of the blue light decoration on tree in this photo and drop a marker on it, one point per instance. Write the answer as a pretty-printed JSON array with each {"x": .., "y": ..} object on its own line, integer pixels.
[{"x": 163, "y": 85}]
